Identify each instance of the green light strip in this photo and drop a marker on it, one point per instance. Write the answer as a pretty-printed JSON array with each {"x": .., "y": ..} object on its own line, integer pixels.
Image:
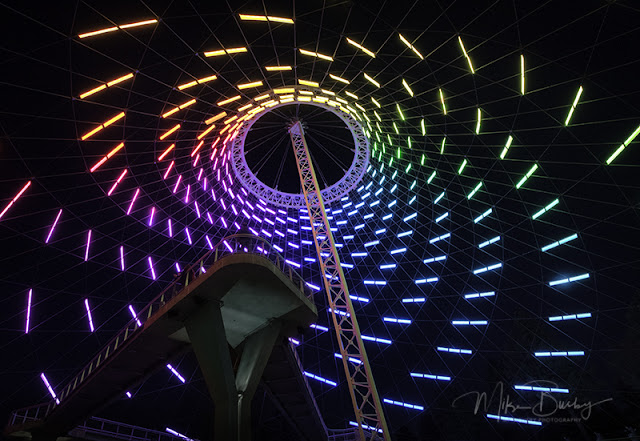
[
  {"x": 506, "y": 147},
  {"x": 623, "y": 146},
  {"x": 462, "y": 166},
  {"x": 573, "y": 106},
  {"x": 475, "y": 190},
  {"x": 531, "y": 171},
  {"x": 545, "y": 209}
]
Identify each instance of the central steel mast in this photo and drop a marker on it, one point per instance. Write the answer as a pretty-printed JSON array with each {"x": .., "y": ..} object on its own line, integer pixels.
[{"x": 364, "y": 395}]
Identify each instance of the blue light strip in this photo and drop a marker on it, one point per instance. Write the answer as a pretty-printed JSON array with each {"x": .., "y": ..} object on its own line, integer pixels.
[
  {"x": 364, "y": 426},
  {"x": 439, "y": 198},
  {"x": 541, "y": 389},
  {"x": 323, "y": 380},
  {"x": 396, "y": 320},
  {"x": 559, "y": 354},
  {"x": 434, "y": 259},
  {"x": 487, "y": 268},
  {"x": 489, "y": 242},
  {"x": 321, "y": 328},
  {"x": 401, "y": 404},
  {"x": 376, "y": 339},
  {"x": 483, "y": 215},
  {"x": 468, "y": 322},
  {"x": 439, "y": 238},
  {"x": 438, "y": 219},
  {"x": 570, "y": 317},
  {"x": 431, "y": 377},
  {"x": 429, "y": 280},
  {"x": 480, "y": 294},
  {"x": 351, "y": 359},
  {"x": 454, "y": 350},
  {"x": 414, "y": 300},
  {"x": 569, "y": 279},
  {"x": 514, "y": 420},
  {"x": 558, "y": 243}
]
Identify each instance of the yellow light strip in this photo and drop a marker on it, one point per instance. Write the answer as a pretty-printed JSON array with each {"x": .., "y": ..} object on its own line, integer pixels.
[
  {"x": 104, "y": 86},
  {"x": 374, "y": 101},
  {"x": 466, "y": 55},
  {"x": 261, "y": 97},
  {"x": 308, "y": 83},
  {"x": 305, "y": 99},
  {"x": 405, "y": 41},
  {"x": 340, "y": 100},
  {"x": 337, "y": 78},
  {"x": 305, "y": 92},
  {"x": 102, "y": 126},
  {"x": 444, "y": 107},
  {"x": 180, "y": 107},
  {"x": 360, "y": 107},
  {"x": 169, "y": 132},
  {"x": 235, "y": 50},
  {"x": 362, "y": 48},
  {"x": 406, "y": 86},
  {"x": 247, "y": 17},
  {"x": 249, "y": 85},
  {"x": 227, "y": 101},
  {"x": 371, "y": 80},
  {"x": 245, "y": 107},
  {"x": 216, "y": 117},
  {"x": 198, "y": 81},
  {"x": 316, "y": 54},
  {"x": 284, "y": 90},
  {"x": 352, "y": 95},
  {"x": 287, "y": 100},
  {"x": 209, "y": 129},
  {"x": 276, "y": 68},
  {"x": 327, "y": 92},
  {"x": 230, "y": 120},
  {"x": 115, "y": 28}
]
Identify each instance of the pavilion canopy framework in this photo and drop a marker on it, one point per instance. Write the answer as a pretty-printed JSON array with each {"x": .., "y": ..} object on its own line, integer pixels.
[{"x": 483, "y": 161}]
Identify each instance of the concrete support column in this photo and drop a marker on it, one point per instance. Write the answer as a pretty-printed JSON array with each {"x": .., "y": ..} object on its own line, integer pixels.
[
  {"x": 255, "y": 355},
  {"x": 206, "y": 332}
]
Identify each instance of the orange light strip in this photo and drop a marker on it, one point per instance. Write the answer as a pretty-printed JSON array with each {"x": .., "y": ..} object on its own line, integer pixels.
[
  {"x": 15, "y": 198},
  {"x": 230, "y": 51},
  {"x": 276, "y": 68},
  {"x": 227, "y": 101},
  {"x": 198, "y": 81},
  {"x": 247, "y": 17},
  {"x": 104, "y": 86},
  {"x": 104, "y": 159},
  {"x": 203, "y": 134},
  {"x": 102, "y": 126},
  {"x": 170, "y": 131},
  {"x": 215, "y": 118},
  {"x": 249, "y": 85},
  {"x": 180, "y": 107},
  {"x": 117, "y": 27},
  {"x": 161, "y": 157}
]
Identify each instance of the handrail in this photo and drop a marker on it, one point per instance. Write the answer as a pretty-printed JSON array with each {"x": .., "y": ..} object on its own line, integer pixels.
[
  {"x": 233, "y": 244},
  {"x": 122, "y": 431}
]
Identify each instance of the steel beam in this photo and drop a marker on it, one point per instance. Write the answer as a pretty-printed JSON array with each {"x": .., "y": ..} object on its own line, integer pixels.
[{"x": 364, "y": 395}]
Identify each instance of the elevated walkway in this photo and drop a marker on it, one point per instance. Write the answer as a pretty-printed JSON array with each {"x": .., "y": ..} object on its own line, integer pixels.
[{"x": 244, "y": 296}]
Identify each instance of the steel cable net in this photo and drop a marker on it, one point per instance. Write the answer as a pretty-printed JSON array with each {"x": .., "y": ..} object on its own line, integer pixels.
[{"x": 490, "y": 244}]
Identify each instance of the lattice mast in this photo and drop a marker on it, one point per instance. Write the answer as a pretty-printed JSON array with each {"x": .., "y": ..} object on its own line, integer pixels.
[{"x": 362, "y": 388}]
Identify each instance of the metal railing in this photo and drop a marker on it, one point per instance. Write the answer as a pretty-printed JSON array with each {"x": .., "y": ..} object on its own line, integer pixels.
[
  {"x": 234, "y": 244},
  {"x": 104, "y": 428}
]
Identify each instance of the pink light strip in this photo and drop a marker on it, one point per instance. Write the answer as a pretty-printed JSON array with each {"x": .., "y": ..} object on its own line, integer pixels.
[
  {"x": 46, "y": 383},
  {"x": 55, "y": 222},
  {"x": 115, "y": 184},
  {"x": 86, "y": 251},
  {"x": 135, "y": 196},
  {"x": 122, "y": 257},
  {"x": 153, "y": 273},
  {"x": 15, "y": 198},
  {"x": 26, "y": 326},
  {"x": 153, "y": 211},
  {"x": 135, "y": 316},
  {"x": 168, "y": 170}
]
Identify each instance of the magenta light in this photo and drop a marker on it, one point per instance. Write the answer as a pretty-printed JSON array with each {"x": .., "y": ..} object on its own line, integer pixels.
[
  {"x": 209, "y": 217},
  {"x": 55, "y": 222},
  {"x": 200, "y": 174},
  {"x": 86, "y": 305},
  {"x": 170, "y": 229},
  {"x": 178, "y": 267},
  {"x": 175, "y": 188},
  {"x": 186, "y": 198},
  {"x": 168, "y": 170},
  {"x": 176, "y": 373},
  {"x": 135, "y": 196},
  {"x": 153, "y": 273},
  {"x": 195, "y": 163},
  {"x": 86, "y": 251},
  {"x": 223, "y": 222},
  {"x": 46, "y": 383},
  {"x": 115, "y": 184},
  {"x": 153, "y": 212},
  {"x": 213, "y": 195},
  {"x": 204, "y": 186},
  {"x": 26, "y": 326},
  {"x": 122, "y": 257},
  {"x": 15, "y": 198},
  {"x": 135, "y": 316},
  {"x": 197, "y": 208}
]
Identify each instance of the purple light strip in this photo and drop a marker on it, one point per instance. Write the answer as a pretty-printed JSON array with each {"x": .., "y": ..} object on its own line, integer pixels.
[
  {"x": 86, "y": 251},
  {"x": 186, "y": 230},
  {"x": 186, "y": 198},
  {"x": 135, "y": 316},
  {"x": 86, "y": 304},
  {"x": 169, "y": 227},
  {"x": 177, "y": 183},
  {"x": 153, "y": 211},
  {"x": 121, "y": 257},
  {"x": 55, "y": 222},
  {"x": 46, "y": 383},
  {"x": 176, "y": 373},
  {"x": 26, "y": 326},
  {"x": 153, "y": 273},
  {"x": 133, "y": 200}
]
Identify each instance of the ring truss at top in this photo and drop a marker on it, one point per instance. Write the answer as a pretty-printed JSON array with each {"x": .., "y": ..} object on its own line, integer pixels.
[{"x": 290, "y": 200}]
